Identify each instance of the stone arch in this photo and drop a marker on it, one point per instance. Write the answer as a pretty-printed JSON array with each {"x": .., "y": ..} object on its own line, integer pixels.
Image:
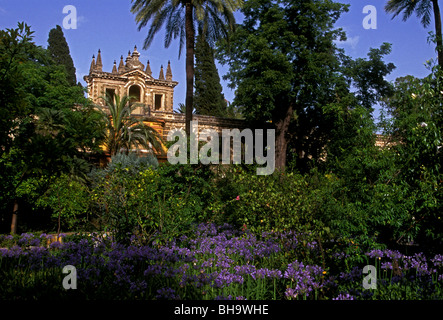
[{"x": 136, "y": 91}]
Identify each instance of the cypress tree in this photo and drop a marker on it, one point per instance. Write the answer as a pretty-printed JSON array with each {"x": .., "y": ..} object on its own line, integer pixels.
[
  {"x": 208, "y": 96},
  {"x": 59, "y": 51}
]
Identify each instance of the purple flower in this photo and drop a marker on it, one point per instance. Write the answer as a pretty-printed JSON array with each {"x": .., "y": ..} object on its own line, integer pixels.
[
  {"x": 291, "y": 293},
  {"x": 342, "y": 296},
  {"x": 25, "y": 239},
  {"x": 224, "y": 262},
  {"x": 167, "y": 293},
  {"x": 136, "y": 286},
  {"x": 14, "y": 252},
  {"x": 377, "y": 253},
  {"x": 245, "y": 269},
  {"x": 351, "y": 276},
  {"x": 386, "y": 265},
  {"x": 224, "y": 278},
  {"x": 229, "y": 297},
  {"x": 438, "y": 260},
  {"x": 304, "y": 277},
  {"x": 270, "y": 273},
  {"x": 393, "y": 254},
  {"x": 339, "y": 255},
  {"x": 154, "y": 269},
  {"x": 417, "y": 262},
  {"x": 55, "y": 245}
]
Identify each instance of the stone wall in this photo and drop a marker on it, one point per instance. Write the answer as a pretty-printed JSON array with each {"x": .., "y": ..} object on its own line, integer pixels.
[
  {"x": 173, "y": 120},
  {"x": 163, "y": 122}
]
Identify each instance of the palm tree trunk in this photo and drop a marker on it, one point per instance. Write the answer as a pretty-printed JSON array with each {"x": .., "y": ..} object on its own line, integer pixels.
[
  {"x": 190, "y": 37},
  {"x": 438, "y": 32}
]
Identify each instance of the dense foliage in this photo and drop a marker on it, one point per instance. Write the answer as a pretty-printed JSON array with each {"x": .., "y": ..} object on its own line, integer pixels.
[
  {"x": 48, "y": 127},
  {"x": 208, "y": 97},
  {"x": 59, "y": 50},
  {"x": 209, "y": 232}
]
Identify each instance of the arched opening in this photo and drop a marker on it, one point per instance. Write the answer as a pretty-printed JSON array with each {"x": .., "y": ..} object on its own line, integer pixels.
[{"x": 135, "y": 93}]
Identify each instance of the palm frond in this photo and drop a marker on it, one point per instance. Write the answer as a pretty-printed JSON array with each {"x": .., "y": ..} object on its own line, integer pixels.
[
  {"x": 422, "y": 8},
  {"x": 214, "y": 17},
  {"x": 175, "y": 26},
  {"x": 123, "y": 130},
  {"x": 49, "y": 121},
  {"x": 424, "y": 11}
]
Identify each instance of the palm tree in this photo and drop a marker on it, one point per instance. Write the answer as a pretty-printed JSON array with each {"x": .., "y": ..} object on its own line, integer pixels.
[
  {"x": 214, "y": 17},
  {"x": 182, "y": 108},
  {"x": 124, "y": 132},
  {"x": 423, "y": 10}
]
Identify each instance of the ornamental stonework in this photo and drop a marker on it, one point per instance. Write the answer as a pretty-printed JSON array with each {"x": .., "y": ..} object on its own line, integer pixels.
[{"x": 131, "y": 77}]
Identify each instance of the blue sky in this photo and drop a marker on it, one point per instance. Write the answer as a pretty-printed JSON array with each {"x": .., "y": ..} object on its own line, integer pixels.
[{"x": 110, "y": 26}]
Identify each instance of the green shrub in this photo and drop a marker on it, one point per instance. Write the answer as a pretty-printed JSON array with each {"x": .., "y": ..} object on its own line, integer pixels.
[
  {"x": 154, "y": 204},
  {"x": 268, "y": 203},
  {"x": 314, "y": 204},
  {"x": 69, "y": 201}
]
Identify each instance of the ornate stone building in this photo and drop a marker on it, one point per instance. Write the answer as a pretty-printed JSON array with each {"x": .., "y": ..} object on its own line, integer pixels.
[
  {"x": 132, "y": 78},
  {"x": 155, "y": 95}
]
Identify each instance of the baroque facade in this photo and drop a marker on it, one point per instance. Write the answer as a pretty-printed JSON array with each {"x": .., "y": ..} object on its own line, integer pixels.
[
  {"x": 132, "y": 78},
  {"x": 154, "y": 95}
]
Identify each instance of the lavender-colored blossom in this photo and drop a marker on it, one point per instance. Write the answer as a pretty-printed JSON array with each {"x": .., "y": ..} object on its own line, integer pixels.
[
  {"x": 265, "y": 272},
  {"x": 167, "y": 293},
  {"x": 303, "y": 277},
  {"x": 224, "y": 278},
  {"x": 291, "y": 293},
  {"x": 342, "y": 296},
  {"x": 137, "y": 286},
  {"x": 437, "y": 260},
  {"x": 353, "y": 275},
  {"x": 229, "y": 297},
  {"x": 393, "y": 254},
  {"x": 417, "y": 262},
  {"x": 377, "y": 253},
  {"x": 386, "y": 265},
  {"x": 245, "y": 269},
  {"x": 339, "y": 255}
]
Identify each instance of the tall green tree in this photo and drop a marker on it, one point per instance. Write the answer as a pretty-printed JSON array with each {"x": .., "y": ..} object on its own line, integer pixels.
[
  {"x": 182, "y": 18},
  {"x": 123, "y": 131},
  {"x": 208, "y": 97},
  {"x": 424, "y": 9},
  {"x": 414, "y": 183},
  {"x": 287, "y": 69},
  {"x": 282, "y": 60},
  {"x": 59, "y": 50},
  {"x": 46, "y": 123},
  {"x": 16, "y": 49}
]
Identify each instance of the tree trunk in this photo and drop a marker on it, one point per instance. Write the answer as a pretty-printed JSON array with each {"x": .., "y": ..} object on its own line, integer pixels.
[
  {"x": 190, "y": 37},
  {"x": 281, "y": 138},
  {"x": 438, "y": 32},
  {"x": 14, "y": 218}
]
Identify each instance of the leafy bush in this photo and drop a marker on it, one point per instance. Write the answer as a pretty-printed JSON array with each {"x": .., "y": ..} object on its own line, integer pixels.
[
  {"x": 412, "y": 187},
  {"x": 316, "y": 205},
  {"x": 133, "y": 198},
  {"x": 270, "y": 203},
  {"x": 68, "y": 199},
  {"x": 132, "y": 161}
]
